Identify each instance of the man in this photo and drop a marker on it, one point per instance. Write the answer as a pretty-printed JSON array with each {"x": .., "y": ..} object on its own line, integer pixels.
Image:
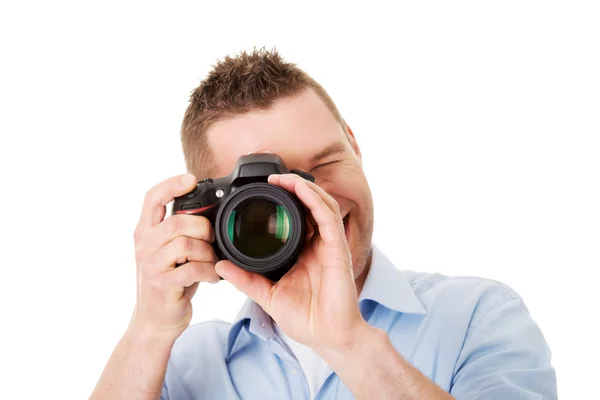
[{"x": 344, "y": 322}]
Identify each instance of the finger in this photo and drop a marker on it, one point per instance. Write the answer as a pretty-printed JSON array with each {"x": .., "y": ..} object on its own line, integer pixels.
[
  {"x": 194, "y": 226},
  {"x": 327, "y": 198},
  {"x": 329, "y": 223},
  {"x": 255, "y": 286},
  {"x": 288, "y": 182},
  {"x": 153, "y": 210},
  {"x": 290, "y": 185},
  {"x": 274, "y": 179},
  {"x": 183, "y": 249},
  {"x": 189, "y": 274}
]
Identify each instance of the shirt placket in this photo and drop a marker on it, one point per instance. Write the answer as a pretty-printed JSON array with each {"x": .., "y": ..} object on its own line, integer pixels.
[{"x": 297, "y": 379}]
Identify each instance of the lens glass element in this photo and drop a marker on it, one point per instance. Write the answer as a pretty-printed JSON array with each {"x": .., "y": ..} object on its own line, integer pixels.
[{"x": 258, "y": 227}]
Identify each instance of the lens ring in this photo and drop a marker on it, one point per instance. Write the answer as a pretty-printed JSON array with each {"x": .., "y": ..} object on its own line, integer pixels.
[{"x": 288, "y": 251}]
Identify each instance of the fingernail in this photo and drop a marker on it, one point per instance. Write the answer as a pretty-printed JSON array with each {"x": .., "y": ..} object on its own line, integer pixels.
[
  {"x": 187, "y": 180},
  {"x": 220, "y": 269}
]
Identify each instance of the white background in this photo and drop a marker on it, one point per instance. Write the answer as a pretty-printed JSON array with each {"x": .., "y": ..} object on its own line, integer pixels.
[{"x": 479, "y": 123}]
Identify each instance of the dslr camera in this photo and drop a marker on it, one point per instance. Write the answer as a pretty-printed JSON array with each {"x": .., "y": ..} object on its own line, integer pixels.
[{"x": 258, "y": 226}]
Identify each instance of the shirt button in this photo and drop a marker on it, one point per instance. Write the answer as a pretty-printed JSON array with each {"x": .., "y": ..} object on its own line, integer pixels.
[
  {"x": 262, "y": 324},
  {"x": 294, "y": 372}
]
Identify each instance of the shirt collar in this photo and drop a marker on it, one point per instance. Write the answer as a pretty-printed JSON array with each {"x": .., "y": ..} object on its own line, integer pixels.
[
  {"x": 251, "y": 315},
  {"x": 385, "y": 285}
]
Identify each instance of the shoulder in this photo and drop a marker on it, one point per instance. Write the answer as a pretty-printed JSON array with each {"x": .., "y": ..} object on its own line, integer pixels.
[
  {"x": 203, "y": 338},
  {"x": 438, "y": 283},
  {"x": 470, "y": 295},
  {"x": 498, "y": 350},
  {"x": 197, "y": 364}
]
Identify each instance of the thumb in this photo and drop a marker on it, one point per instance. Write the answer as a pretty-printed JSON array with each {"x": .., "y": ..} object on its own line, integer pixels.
[{"x": 255, "y": 286}]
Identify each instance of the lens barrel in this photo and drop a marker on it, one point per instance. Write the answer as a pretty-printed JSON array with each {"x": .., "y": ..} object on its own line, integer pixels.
[{"x": 261, "y": 227}]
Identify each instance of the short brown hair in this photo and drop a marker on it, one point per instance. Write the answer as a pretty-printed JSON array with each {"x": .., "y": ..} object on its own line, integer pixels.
[{"x": 238, "y": 85}]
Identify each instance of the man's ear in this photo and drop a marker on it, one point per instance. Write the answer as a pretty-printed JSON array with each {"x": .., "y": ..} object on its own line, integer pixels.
[{"x": 353, "y": 142}]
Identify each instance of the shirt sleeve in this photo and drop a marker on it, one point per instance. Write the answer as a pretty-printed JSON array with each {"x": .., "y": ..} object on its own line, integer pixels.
[{"x": 505, "y": 355}]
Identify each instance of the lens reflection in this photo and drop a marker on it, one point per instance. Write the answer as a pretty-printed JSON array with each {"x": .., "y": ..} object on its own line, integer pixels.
[{"x": 258, "y": 227}]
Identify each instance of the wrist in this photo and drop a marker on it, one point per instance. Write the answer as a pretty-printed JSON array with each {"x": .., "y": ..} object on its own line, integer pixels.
[
  {"x": 146, "y": 334},
  {"x": 358, "y": 343},
  {"x": 374, "y": 369},
  {"x": 138, "y": 364}
]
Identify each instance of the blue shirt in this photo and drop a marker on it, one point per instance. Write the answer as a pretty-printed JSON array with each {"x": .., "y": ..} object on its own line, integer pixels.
[{"x": 473, "y": 337}]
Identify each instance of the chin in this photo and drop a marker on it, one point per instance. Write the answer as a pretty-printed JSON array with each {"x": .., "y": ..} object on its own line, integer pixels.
[{"x": 360, "y": 245}]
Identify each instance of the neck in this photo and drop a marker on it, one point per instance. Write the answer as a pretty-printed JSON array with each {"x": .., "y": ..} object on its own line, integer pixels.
[{"x": 359, "y": 281}]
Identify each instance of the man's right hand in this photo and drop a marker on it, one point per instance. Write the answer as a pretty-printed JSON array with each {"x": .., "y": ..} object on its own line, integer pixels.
[{"x": 164, "y": 291}]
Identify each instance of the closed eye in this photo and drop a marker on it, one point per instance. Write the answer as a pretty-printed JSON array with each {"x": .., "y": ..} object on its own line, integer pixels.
[{"x": 324, "y": 165}]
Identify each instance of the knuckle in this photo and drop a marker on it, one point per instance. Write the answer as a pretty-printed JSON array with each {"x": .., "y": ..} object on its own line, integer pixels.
[
  {"x": 333, "y": 220},
  {"x": 137, "y": 235},
  {"x": 190, "y": 272},
  {"x": 336, "y": 206},
  {"x": 208, "y": 252},
  {"x": 206, "y": 228},
  {"x": 150, "y": 196},
  {"x": 205, "y": 252},
  {"x": 214, "y": 257},
  {"x": 200, "y": 270},
  {"x": 173, "y": 224},
  {"x": 196, "y": 269},
  {"x": 184, "y": 244},
  {"x": 141, "y": 241}
]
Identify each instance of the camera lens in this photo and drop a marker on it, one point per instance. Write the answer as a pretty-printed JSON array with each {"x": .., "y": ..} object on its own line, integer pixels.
[{"x": 258, "y": 228}]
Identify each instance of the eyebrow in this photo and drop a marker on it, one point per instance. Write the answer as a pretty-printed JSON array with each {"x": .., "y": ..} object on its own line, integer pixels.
[{"x": 335, "y": 148}]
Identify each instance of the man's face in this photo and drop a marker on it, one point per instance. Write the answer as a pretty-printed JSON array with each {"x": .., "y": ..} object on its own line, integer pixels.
[{"x": 306, "y": 135}]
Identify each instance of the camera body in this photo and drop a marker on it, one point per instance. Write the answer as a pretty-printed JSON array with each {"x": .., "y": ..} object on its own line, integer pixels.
[{"x": 258, "y": 226}]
